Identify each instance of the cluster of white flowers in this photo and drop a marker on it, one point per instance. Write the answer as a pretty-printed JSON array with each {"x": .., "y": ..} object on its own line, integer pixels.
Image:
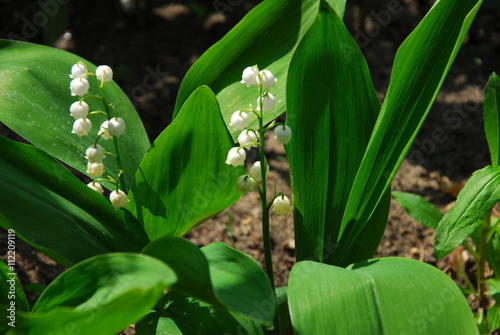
[
  {"x": 114, "y": 126},
  {"x": 248, "y": 138}
]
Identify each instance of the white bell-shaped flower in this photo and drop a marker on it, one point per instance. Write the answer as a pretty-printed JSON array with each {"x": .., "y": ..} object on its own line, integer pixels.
[
  {"x": 103, "y": 131},
  {"x": 244, "y": 184},
  {"x": 267, "y": 79},
  {"x": 78, "y": 71},
  {"x": 79, "y": 86},
  {"x": 95, "y": 153},
  {"x": 268, "y": 102},
  {"x": 79, "y": 110},
  {"x": 118, "y": 199},
  {"x": 95, "y": 169},
  {"x": 82, "y": 127},
  {"x": 282, "y": 134},
  {"x": 246, "y": 137},
  {"x": 255, "y": 171},
  {"x": 236, "y": 157},
  {"x": 239, "y": 120},
  {"x": 250, "y": 76},
  {"x": 116, "y": 126},
  {"x": 281, "y": 205},
  {"x": 96, "y": 187},
  {"x": 104, "y": 73}
]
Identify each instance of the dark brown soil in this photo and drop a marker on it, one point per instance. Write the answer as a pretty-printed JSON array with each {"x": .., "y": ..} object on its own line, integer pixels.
[{"x": 165, "y": 38}]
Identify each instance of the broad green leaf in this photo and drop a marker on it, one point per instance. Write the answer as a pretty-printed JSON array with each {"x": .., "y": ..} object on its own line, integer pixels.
[
  {"x": 239, "y": 282},
  {"x": 493, "y": 253},
  {"x": 35, "y": 100},
  {"x": 493, "y": 317},
  {"x": 218, "y": 275},
  {"x": 178, "y": 314},
  {"x": 492, "y": 116},
  {"x": 479, "y": 195},
  {"x": 266, "y": 36},
  {"x": 329, "y": 91},
  {"x": 188, "y": 262},
  {"x": 381, "y": 296},
  {"x": 494, "y": 288},
  {"x": 53, "y": 211},
  {"x": 101, "y": 295},
  {"x": 283, "y": 310},
  {"x": 419, "y": 208},
  {"x": 12, "y": 298},
  {"x": 420, "y": 67},
  {"x": 183, "y": 179},
  {"x": 156, "y": 323}
]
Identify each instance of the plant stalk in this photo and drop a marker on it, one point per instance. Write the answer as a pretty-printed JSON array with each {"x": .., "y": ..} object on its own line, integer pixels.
[
  {"x": 481, "y": 262},
  {"x": 265, "y": 213},
  {"x": 119, "y": 166}
]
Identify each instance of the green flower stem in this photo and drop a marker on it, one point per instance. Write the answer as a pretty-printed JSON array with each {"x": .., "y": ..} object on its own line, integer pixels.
[
  {"x": 480, "y": 263},
  {"x": 265, "y": 208},
  {"x": 265, "y": 213},
  {"x": 120, "y": 185}
]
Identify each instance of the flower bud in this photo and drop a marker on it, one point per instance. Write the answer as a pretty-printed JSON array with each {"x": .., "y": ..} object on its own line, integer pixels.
[
  {"x": 236, "y": 157},
  {"x": 104, "y": 73},
  {"x": 247, "y": 137},
  {"x": 282, "y": 134},
  {"x": 244, "y": 184},
  {"x": 267, "y": 79},
  {"x": 239, "y": 120},
  {"x": 281, "y": 205},
  {"x": 268, "y": 102},
  {"x": 78, "y": 71},
  {"x": 82, "y": 127},
  {"x": 250, "y": 76},
  {"x": 79, "y": 110},
  {"x": 96, "y": 187},
  {"x": 255, "y": 172},
  {"x": 95, "y": 153},
  {"x": 79, "y": 86},
  {"x": 95, "y": 169},
  {"x": 116, "y": 127},
  {"x": 118, "y": 199},
  {"x": 103, "y": 131}
]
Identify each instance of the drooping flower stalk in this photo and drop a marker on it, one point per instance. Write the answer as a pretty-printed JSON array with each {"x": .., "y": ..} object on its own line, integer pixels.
[
  {"x": 257, "y": 176},
  {"x": 112, "y": 128}
]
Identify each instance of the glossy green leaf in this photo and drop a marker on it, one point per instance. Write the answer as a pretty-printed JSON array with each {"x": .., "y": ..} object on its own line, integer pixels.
[
  {"x": 419, "y": 208},
  {"x": 494, "y": 288},
  {"x": 178, "y": 314},
  {"x": 101, "y": 295},
  {"x": 188, "y": 262},
  {"x": 420, "y": 67},
  {"x": 329, "y": 91},
  {"x": 381, "y": 296},
  {"x": 493, "y": 317},
  {"x": 266, "y": 36},
  {"x": 479, "y": 195},
  {"x": 492, "y": 116},
  {"x": 493, "y": 252},
  {"x": 12, "y": 298},
  {"x": 156, "y": 323},
  {"x": 53, "y": 211},
  {"x": 239, "y": 282},
  {"x": 35, "y": 100},
  {"x": 183, "y": 179},
  {"x": 217, "y": 274},
  {"x": 283, "y": 310}
]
